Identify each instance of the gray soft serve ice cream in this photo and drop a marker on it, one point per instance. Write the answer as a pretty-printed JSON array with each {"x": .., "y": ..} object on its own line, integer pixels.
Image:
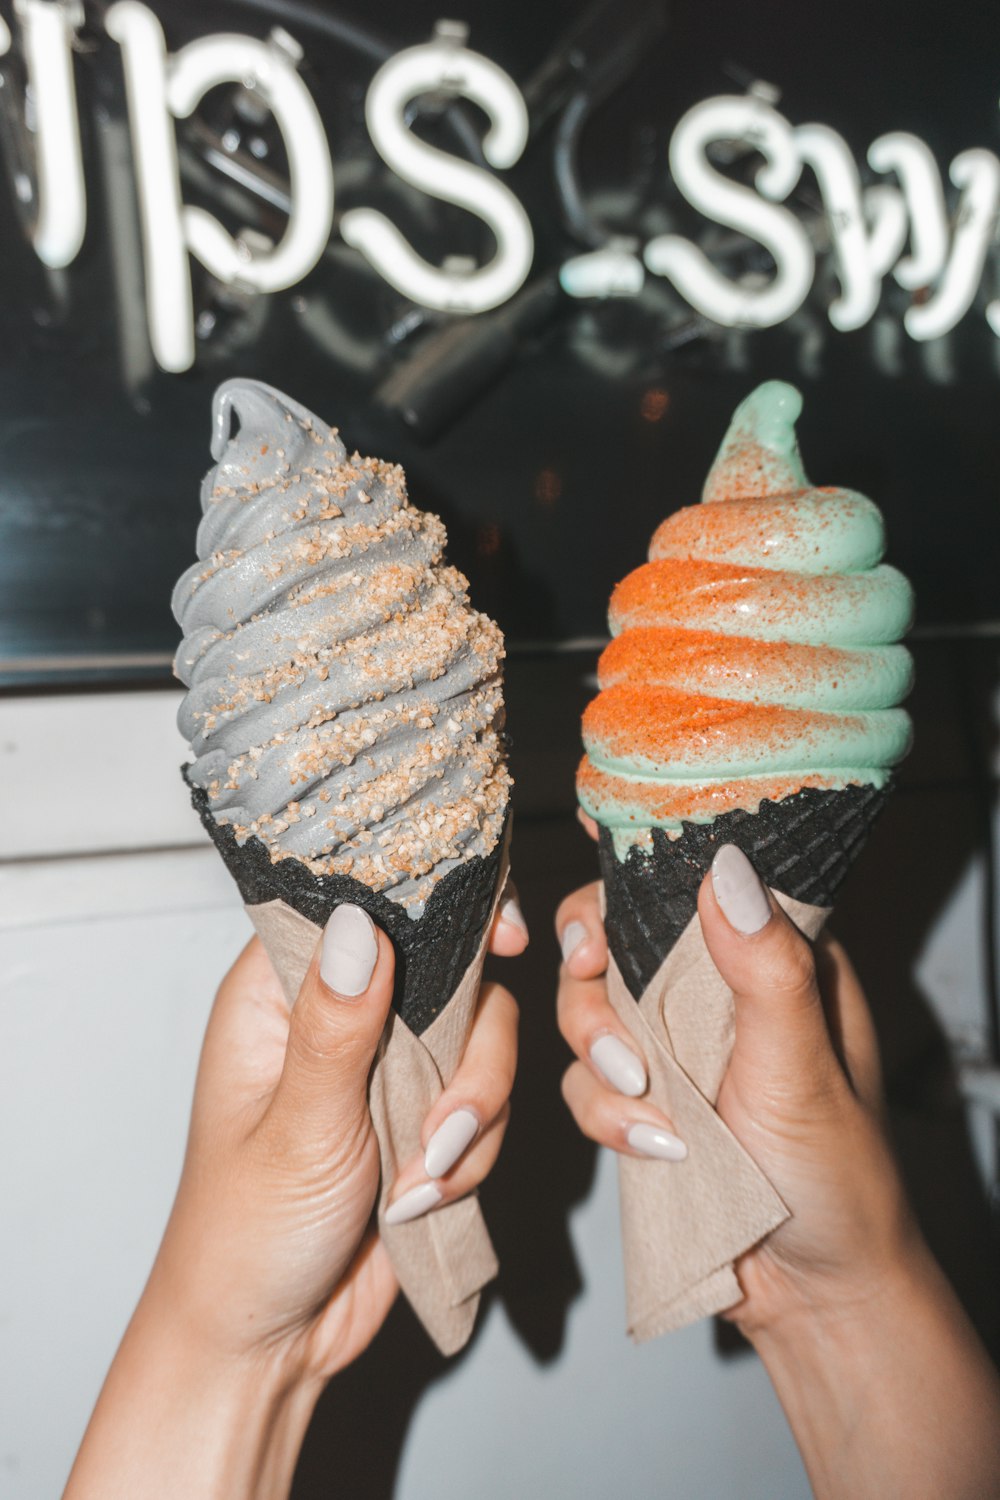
[{"x": 345, "y": 701}]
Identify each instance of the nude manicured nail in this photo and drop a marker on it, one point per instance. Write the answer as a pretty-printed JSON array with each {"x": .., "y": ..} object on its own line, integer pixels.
[
  {"x": 511, "y": 912},
  {"x": 652, "y": 1140},
  {"x": 739, "y": 891},
  {"x": 573, "y": 936},
  {"x": 619, "y": 1065},
  {"x": 414, "y": 1203},
  {"x": 448, "y": 1142},
  {"x": 350, "y": 951}
]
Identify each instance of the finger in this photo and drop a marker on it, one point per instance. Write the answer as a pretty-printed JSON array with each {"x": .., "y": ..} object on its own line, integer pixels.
[
  {"x": 474, "y": 1101},
  {"x": 769, "y": 967},
  {"x": 580, "y": 931},
  {"x": 850, "y": 1021},
  {"x": 336, "y": 1023},
  {"x": 586, "y": 1018},
  {"x": 510, "y": 931},
  {"x": 587, "y": 823},
  {"x": 635, "y": 1128},
  {"x": 480, "y": 1087},
  {"x": 592, "y": 1029},
  {"x": 414, "y": 1194}
]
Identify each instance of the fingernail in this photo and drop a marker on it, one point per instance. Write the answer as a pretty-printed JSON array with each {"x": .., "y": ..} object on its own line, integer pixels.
[
  {"x": 448, "y": 1142},
  {"x": 620, "y": 1066},
  {"x": 651, "y": 1140},
  {"x": 739, "y": 891},
  {"x": 350, "y": 950},
  {"x": 511, "y": 912},
  {"x": 414, "y": 1203},
  {"x": 572, "y": 937}
]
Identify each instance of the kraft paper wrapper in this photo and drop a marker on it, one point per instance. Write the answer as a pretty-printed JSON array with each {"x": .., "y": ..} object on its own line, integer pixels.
[
  {"x": 444, "y": 1259},
  {"x": 685, "y": 1223}
]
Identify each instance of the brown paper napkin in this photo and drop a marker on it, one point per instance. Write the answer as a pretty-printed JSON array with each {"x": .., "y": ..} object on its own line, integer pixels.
[
  {"x": 444, "y": 1259},
  {"x": 684, "y": 1224}
]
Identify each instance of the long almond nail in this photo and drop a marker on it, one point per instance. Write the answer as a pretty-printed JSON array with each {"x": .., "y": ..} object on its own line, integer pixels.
[
  {"x": 739, "y": 891},
  {"x": 451, "y": 1138},
  {"x": 652, "y": 1140},
  {"x": 573, "y": 937},
  {"x": 619, "y": 1065},
  {"x": 350, "y": 951},
  {"x": 417, "y": 1201}
]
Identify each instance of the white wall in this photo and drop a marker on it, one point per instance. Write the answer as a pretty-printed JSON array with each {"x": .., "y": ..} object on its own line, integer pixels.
[{"x": 116, "y": 922}]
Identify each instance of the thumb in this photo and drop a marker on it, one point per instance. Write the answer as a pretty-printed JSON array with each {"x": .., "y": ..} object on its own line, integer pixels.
[
  {"x": 769, "y": 966},
  {"x": 336, "y": 1023}
]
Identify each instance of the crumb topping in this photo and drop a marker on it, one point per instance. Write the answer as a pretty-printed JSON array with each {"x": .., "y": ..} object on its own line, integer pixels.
[{"x": 350, "y": 705}]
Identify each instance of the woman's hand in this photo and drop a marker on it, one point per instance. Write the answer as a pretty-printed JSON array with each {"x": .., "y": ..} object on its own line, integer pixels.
[
  {"x": 270, "y": 1241},
  {"x": 802, "y": 1092},
  {"x": 883, "y": 1379},
  {"x": 271, "y": 1275}
]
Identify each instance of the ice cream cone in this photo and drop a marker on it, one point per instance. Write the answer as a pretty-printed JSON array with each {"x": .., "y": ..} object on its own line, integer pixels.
[
  {"x": 433, "y": 951},
  {"x": 750, "y": 696},
  {"x": 443, "y": 1260},
  {"x": 345, "y": 712},
  {"x": 803, "y": 846}
]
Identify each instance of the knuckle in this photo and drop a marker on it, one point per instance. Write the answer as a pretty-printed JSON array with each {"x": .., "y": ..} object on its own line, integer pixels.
[
  {"x": 507, "y": 1008},
  {"x": 565, "y": 910},
  {"x": 578, "y": 1088},
  {"x": 308, "y": 1039},
  {"x": 493, "y": 1086},
  {"x": 568, "y": 1085},
  {"x": 564, "y": 1022},
  {"x": 316, "y": 1040},
  {"x": 568, "y": 1015},
  {"x": 792, "y": 968},
  {"x": 590, "y": 1013}
]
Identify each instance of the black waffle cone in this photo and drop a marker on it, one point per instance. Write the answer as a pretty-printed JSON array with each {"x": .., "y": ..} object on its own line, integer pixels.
[
  {"x": 433, "y": 951},
  {"x": 802, "y": 846}
]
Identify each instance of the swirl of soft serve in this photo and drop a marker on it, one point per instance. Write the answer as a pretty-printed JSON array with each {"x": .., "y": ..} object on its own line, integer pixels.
[
  {"x": 754, "y": 654},
  {"x": 345, "y": 702}
]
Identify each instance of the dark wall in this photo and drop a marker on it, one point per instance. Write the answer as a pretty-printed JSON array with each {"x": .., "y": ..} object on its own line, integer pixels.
[{"x": 552, "y": 460}]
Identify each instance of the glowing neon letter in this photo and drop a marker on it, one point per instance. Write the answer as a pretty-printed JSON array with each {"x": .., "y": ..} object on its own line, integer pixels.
[
  {"x": 159, "y": 88},
  {"x": 444, "y": 65},
  {"x": 730, "y": 203},
  {"x": 48, "y": 27}
]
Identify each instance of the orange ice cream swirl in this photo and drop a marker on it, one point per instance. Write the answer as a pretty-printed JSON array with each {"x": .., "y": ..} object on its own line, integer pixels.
[{"x": 755, "y": 653}]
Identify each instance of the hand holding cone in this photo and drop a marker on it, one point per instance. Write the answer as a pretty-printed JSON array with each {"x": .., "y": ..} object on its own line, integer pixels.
[
  {"x": 749, "y": 697},
  {"x": 345, "y": 711}
]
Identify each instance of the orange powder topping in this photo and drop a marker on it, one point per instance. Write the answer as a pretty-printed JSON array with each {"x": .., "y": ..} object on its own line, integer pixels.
[
  {"x": 714, "y": 530},
  {"x": 668, "y": 802},
  {"x": 691, "y": 592},
  {"x": 722, "y": 664},
  {"x": 665, "y": 657},
  {"x": 675, "y": 587},
  {"x": 660, "y": 724}
]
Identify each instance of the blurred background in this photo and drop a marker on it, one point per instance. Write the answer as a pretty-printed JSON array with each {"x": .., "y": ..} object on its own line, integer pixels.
[{"x": 636, "y": 212}]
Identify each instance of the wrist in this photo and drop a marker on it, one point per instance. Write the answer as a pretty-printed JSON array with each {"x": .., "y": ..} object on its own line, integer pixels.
[
  {"x": 208, "y": 1424},
  {"x": 822, "y": 1309},
  {"x": 834, "y": 1268},
  {"x": 806, "y": 1307},
  {"x": 825, "y": 1357},
  {"x": 253, "y": 1403},
  {"x": 888, "y": 1391}
]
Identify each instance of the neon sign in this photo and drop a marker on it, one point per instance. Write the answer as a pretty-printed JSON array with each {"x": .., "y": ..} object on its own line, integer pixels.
[
  {"x": 445, "y": 64},
  {"x": 900, "y": 226}
]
